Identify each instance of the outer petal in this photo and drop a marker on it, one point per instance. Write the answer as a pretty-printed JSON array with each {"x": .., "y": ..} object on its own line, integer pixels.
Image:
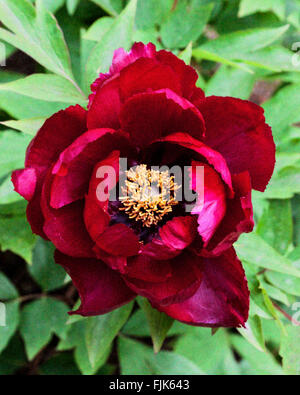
[
  {"x": 105, "y": 109},
  {"x": 237, "y": 220},
  {"x": 148, "y": 74},
  {"x": 120, "y": 60},
  {"x": 150, "y": 116},
  {"x": 222, "y": 299},
  {"x": 75, "y": 165},
  {"x": 100, "y": 288},
  {"x": 237, "y": 129},
  {"x": 24, "y": 182},
  {"x": 96, "y": 216},
  {"x": 55, "y": 135},
  {"x": 65, "y": 226},
  {"x": 179, "y": 232},
  {"x": 213, "y": 157},
  {"x": 180, "y": 285},
  {"x": 211, "y": 206},
  {"x": 119, "y": 240}
]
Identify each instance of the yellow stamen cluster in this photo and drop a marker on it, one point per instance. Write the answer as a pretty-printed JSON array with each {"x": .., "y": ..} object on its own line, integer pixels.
[{"x": 149, "y": 195}]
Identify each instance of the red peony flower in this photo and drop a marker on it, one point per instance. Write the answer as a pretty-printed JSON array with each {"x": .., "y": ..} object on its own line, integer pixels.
[{"x": 148, "y": 110}]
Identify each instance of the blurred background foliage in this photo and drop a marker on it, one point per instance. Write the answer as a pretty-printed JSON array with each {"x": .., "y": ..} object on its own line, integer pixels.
[{"x": 248, "y": 49}]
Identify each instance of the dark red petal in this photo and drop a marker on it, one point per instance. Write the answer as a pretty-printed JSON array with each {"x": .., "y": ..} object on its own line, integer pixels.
[
  {"x": 211, "y": 203},
  {"x": 238, "y": 218},
  {"x": 147, "y": 74},
  {"x": 237, "y": 129},
  {"x": 179, "y": 232},
  {"x": 180, "y": 285},
  {"x": 57, "y": 133},
  {"x": 120, "y": 60},
  {"x": 197, "y": 96},
  {"x": 148, "y": 269},
  {"x": 222, "y": 299},
  {"x": 65, "y": 226},
  {"x": 100, "y": 288},
  {"x": 96, "y": 216},
  {"x": 119, "y": 240},
  {"x": 105, "y": 109},
  {"x": 151, "y": 116},
  {"x": 187, "y": 75},
  {"x": 24, "y": 182},
  {"x": 75, "y": 165},
  {"x": 213, "y": 157}
]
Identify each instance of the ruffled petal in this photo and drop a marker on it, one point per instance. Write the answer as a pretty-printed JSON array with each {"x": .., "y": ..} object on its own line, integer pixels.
[
  {"x": 75, "y": 165},
  {"x": 151, "y": 116},
  {"x": 119, "y": 240},
  {"x": 180, "y": 285},
  {"x": 237, "y": 129},
  {"x": 24, "y": 182},
  {"x": 120, "y": 60},
  {"x": 105, "y": 109},
  {"x": 213, "y": 157},
  {"x": 222, "y": 299},
  {"x": 101, "y": 289},
  {"x": 57, "y": 133},
  {"x": 96, "y": 216},
  {"x": 65, "y": 226},
  {"x": 210, "y": 207},
  {"x": 147, "y": 75},
  {"x": 179, "y": 232},
  {"x": 237, "y": 220}
]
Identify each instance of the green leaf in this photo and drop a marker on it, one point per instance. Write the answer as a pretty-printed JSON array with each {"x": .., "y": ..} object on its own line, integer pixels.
[
  {"x": 16, "y": 236},
  {"x": 263, "y": 363},
  {"x": 276, "y": 225},
  {"x": 7, "y": 289},
  {"x": 58, "y": 365},
  {"x": 44, "y": 270},
  {"x": 101, "y": 331},
  {"x": 151, "y": 13},
  {"x": 13, "y": 357},
  {"x": 253, "y": 333},
  {"x": 39, "y": 321},
  {"x": 290, "y": 351},
  {"x": 98, "y": 29},
  {"x": 48, "y": 87},
  {"x": 206, "y": 351},
  {"x": 12, "y": 146},
  {"x": 252, "y": 248},
  {"x": 119, "y": 35},
  {"x": 278, "y": 119},
  {"x": 36, "y": 32},
  {"x": 233, "y": 45},
  {"x": 288, "y": 284},
  {"x": 137, "y": 325},
  {"x": 52, "y": 5},
  {"x": 186, "y": 54},
  {"x": 112, "y": 7},
  {"x": 159, "y": 323},
  {"x": 28, "y": 126},
  {"x": 72, "y": 6},
  {"x": 228, "y": 81},
  {"x": 248, "y": 7},
  {"x": 200, "y": 54},
  {"x": 12, "y": 321},
  {"x": 177, "y": 32},
  {"x": 138, "y": 359}
]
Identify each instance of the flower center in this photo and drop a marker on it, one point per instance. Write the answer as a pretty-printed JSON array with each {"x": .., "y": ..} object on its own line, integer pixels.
[{"x": 149, "y": 195}]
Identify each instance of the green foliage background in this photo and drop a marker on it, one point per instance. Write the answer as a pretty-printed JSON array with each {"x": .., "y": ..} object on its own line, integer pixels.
[{"x": 246, "y": 49}]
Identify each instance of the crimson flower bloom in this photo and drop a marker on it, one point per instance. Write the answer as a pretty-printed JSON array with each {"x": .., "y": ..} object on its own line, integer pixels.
[{"x": 148, "y": 109}]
